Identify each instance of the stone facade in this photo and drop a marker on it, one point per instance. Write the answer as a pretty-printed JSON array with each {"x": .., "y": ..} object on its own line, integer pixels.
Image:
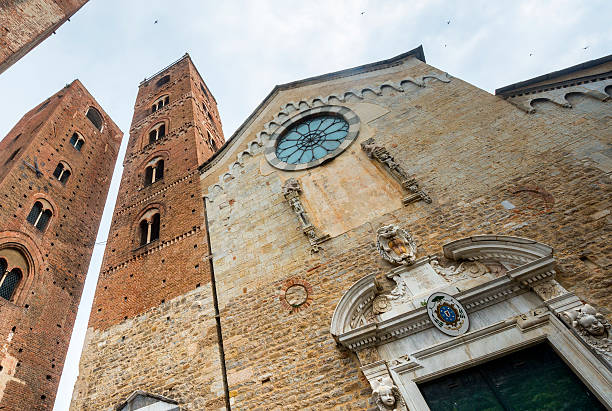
[
  {"x": 38, "y": 319},
  {"x": 474, "y": 164},
  {"x": 25, "y": 24}
]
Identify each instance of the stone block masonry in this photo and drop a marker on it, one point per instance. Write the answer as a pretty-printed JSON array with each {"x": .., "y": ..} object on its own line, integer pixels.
[{"x": 36, "y": 322}]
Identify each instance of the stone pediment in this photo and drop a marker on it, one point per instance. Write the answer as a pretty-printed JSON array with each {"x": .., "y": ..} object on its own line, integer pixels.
[{"x": 365, "y": 317}]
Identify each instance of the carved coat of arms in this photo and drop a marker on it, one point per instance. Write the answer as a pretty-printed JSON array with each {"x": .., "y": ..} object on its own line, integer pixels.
[
  {"x": 396, "y": 245},
  {"x": 447, "y": 314}
]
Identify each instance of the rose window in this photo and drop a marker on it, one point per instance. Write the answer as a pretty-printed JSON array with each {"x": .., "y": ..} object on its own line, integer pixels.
[{"x": 312, "y": 139}]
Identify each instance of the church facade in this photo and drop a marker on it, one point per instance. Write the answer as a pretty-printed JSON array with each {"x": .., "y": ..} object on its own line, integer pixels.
[{"x": 384, "y": 237}]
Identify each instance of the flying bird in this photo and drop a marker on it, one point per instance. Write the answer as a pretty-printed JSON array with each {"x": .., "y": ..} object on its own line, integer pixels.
[
  {"x": 155, "y": 22},
  {"x": 448, "y": 22},
  {"x": 584, "y": 48},
  {"x": 362, "y": 13},
  {"x": 530, "y": 54}
]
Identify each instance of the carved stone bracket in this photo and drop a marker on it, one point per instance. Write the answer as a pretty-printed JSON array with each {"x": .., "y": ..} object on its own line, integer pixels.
[
  {"x": 292, "y": 191},
  {"x": 385, "y": 393},
  {"x": 592, "y": 327},
  {"x": 379, "y": 153}
]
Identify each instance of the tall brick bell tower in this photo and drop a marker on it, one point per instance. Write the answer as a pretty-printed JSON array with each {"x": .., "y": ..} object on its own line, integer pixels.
[
  {"x": 56, "y": 166},
  {"x": 157, "y": 238}
]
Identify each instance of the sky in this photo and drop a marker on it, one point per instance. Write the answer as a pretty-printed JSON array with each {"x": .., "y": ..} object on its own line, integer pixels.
[{"x": 244, "y": 48}]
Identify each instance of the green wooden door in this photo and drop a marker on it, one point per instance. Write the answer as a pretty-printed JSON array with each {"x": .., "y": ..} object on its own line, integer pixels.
[{"x": 531, "y": 379}]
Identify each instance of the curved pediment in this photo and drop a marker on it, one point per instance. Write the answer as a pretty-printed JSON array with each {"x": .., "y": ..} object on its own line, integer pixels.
[
  {"x": 512, "y": 251},
  {"x": 526, "y": 261},
  {"x": 354, "y": 310}
]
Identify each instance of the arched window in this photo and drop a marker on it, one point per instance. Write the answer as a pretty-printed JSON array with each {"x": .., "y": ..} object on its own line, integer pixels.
[
  {"x": 154, "y": 171},
  {"x": 9, "y": 280},
  {"x": 95, "y": 117},
  {"x": 149, "y": 227},
  {"x": 13, "y": 268},
  {"x": 40, "y": 214},
  {"x": 77, "y": 141},
  {"x": 157, "y": 132},
  {"x": 62, "y": 172},
  {"x": 160, "y": 103},
  {"x": 163, "y": 80}
]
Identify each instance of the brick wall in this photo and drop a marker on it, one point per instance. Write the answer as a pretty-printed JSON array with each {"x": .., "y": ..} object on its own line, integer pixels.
[
  {"x": 135, "y": 278},
  {"x": 35, "y": 326},
  {"x": 25, "y": 24}
]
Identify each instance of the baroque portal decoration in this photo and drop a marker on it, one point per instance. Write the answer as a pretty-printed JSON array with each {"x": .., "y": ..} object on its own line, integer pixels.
[
  {"x": 379, "y": 153},
  {"x": 592, "y": 327},
  {"x": 447, "y": 314},
  {"x": 396, "y": 245},
  {"x": 292, "y": 191},
  {"x": 387, "y": 396}
]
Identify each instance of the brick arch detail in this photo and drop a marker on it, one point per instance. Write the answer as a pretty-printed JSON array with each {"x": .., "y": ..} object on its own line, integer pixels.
[
  {"x": 144, "y": 138},
  {"x": 27, "y": 246},
  {"x": 55, "y": 214}
]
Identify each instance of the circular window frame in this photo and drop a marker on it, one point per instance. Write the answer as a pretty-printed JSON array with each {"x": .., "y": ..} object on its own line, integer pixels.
[{"x": 347, "y": 114}]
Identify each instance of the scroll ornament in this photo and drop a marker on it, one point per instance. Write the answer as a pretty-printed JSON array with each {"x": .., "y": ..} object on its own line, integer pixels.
[
  {"x": 292, "y": 191},
  {"x": 379, "y": 153}
]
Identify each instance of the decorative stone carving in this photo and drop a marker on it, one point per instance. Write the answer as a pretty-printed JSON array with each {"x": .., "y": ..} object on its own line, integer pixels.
[
  {"x": 292, "y": 191},
  {"x": 396, "y": 245},
  {"x": 467, "y": 269},
  {"x": 379, "y": 153},
  {"x": 387, "y": 396},
  {"x": 592, "y": 327},
  {"x": 381, "y": 304},
  {"x": 368, "y": 355},
  {"x": 547, "y": 290}
]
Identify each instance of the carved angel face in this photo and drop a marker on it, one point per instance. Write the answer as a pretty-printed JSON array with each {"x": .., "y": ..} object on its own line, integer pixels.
[
  {"x": 386, "y": 395},
  {"x": 592, "y": 324}
]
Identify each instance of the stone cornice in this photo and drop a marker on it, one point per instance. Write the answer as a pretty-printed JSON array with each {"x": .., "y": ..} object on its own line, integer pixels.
[{"x": 149, "y": 251}]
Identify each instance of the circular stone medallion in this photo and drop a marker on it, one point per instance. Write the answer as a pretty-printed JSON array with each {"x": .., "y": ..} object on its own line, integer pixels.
[
  {"x": 447, "y": 314},
  {"x": 296, "y": 295}
]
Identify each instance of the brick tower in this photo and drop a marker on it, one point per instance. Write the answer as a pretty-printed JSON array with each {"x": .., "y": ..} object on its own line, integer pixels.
[
  {"x": 157, "y": 239},
  {"x": 56, "y": 166}
]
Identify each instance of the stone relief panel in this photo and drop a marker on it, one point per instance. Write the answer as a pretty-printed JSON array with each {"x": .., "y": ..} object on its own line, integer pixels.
[
  {"x": 592, "y": 327},
  {"x": 291, "y": 191},
  {"x": 380, "y": 154}
]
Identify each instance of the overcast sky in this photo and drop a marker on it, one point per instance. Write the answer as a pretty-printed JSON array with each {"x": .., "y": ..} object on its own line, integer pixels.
[{"x": 244, "y": 48}]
